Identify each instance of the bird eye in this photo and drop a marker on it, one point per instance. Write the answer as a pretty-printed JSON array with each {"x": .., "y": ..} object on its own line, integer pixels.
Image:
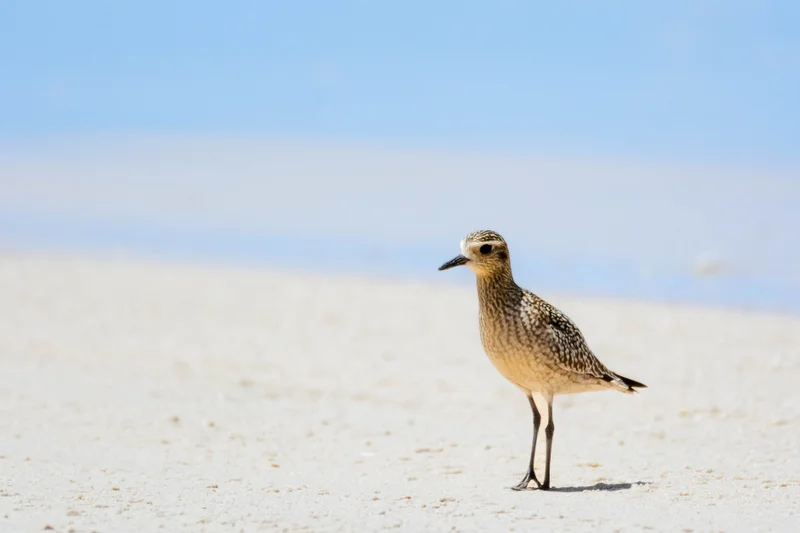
[{"x": 486, "y": 248}]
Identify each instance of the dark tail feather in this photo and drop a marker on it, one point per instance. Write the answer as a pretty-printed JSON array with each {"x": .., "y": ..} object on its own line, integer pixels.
[{"x": 631, "y": 383}]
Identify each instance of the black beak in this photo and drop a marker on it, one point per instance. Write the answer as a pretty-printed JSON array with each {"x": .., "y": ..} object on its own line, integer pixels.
[{"x": 454, "y": 262}]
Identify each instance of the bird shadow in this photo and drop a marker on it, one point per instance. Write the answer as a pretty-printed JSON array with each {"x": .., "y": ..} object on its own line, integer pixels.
[{"x": 600, "y": 487}]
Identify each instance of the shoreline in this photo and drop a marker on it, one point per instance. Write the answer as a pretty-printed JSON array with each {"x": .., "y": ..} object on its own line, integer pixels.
[{"x": 66, "y": 235}]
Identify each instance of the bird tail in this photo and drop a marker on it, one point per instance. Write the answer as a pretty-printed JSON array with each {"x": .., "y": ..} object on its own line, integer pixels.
[{"x": 627, "y": 385}]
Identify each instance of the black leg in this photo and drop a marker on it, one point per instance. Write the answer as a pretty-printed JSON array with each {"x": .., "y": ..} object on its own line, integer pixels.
[
  {"x": 548, "y": 431},
  {"x": 531, "y": 475}
]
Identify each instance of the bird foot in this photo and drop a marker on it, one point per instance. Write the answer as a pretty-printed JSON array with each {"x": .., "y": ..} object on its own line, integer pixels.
[{"x": 523, "y": 485}]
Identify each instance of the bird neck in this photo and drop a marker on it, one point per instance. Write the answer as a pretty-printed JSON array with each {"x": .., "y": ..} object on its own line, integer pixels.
[{"x": 497, "y": 285}]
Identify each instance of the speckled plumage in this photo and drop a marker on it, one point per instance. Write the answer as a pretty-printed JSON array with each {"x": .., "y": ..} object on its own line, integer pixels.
[
  {"x": 536, "y": 346},
  {"x": 530, "y": 342}
]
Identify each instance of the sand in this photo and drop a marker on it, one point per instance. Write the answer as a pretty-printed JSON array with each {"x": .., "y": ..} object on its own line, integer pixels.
[{"x": 141, "y": 397}]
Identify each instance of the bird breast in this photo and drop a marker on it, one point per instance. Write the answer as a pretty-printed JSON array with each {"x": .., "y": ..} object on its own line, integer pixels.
[{"x": 513, "y": 347}]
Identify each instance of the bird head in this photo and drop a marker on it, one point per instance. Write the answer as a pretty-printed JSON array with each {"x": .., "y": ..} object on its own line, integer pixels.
[{"x": 484, "y": 252}]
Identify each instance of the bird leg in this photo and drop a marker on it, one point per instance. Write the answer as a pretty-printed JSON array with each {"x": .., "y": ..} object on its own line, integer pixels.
[
  {"x": 548, "y": 431},
  {"x": 531, "y": 475}
]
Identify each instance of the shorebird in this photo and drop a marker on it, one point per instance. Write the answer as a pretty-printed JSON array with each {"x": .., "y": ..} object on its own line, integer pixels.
[{"x": 531, "y": 343}]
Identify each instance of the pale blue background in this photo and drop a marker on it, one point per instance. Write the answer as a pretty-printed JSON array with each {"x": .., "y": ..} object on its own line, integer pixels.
[
  {"x": 623, "y": 143},
  {"x": 683, "y": 79}
]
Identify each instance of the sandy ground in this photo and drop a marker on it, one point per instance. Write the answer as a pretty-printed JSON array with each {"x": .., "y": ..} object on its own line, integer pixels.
[{"x": 137, "y": 397}]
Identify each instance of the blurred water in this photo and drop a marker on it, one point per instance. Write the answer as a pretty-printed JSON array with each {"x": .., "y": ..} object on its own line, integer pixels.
[{"x": 605, "y": 228}]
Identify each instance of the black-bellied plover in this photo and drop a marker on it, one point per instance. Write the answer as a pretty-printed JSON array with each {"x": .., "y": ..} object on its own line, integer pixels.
[{"x": 531, "y": 343}]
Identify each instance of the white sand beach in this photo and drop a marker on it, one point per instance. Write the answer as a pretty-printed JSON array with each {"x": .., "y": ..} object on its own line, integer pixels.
[{"x": 141, "y": 397}]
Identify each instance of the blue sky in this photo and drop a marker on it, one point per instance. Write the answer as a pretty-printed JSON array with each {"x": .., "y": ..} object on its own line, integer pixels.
[{"x": 681, "y": 80}]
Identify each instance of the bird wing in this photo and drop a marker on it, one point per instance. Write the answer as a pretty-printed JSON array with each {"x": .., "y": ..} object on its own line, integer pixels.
[{"x": 570, "y": 350}]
